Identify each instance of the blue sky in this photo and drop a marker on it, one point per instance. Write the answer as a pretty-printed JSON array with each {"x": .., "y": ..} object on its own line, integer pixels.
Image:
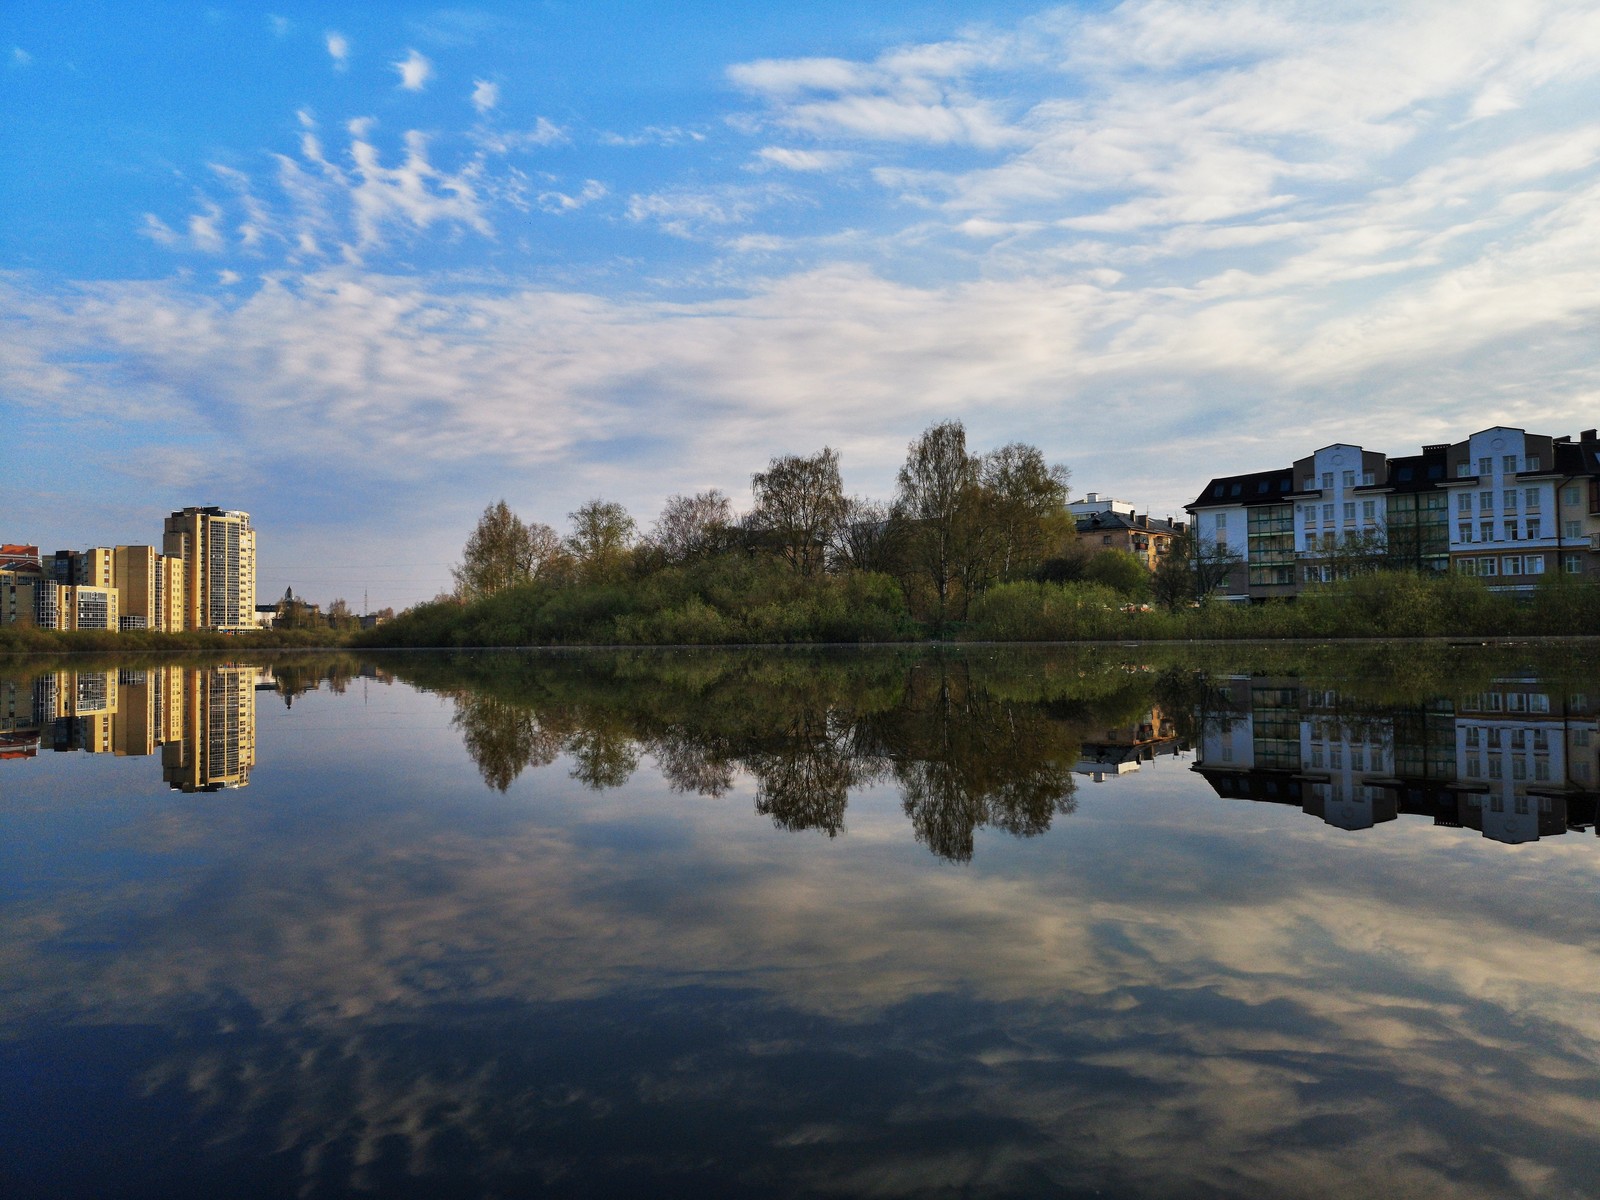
[{"x": 364, "y": 269}]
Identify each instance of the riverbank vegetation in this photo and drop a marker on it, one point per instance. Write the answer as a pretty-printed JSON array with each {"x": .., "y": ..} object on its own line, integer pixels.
[{"x": 972, "y": 547}]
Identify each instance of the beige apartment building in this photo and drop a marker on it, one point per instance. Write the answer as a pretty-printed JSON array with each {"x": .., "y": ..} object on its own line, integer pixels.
[
  {"x": 217, "y": 548},
  {"x": 151, "y": 588}
]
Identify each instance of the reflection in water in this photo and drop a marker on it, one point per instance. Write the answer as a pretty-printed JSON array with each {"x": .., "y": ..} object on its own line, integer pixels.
[
  {"x": 965, "y": 748},
  {"x": 382, "y": 971},
  {"x": 203, "y": 721},
  {"x": 1512, "y": 759}
]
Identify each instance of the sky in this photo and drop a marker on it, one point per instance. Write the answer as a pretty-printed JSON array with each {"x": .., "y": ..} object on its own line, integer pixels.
[{"x": 362, "y": 270}]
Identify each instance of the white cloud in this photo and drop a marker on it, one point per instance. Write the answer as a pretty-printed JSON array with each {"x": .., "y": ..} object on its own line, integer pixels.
[
  {"x": 653, "y": 135},
  {"x": 485, "y": 95},
  {"x": 20, "y": 57},
  {"x": 281, "y": 27},
  {"x": 560, "y": 202},
  {"x": 803, "y": 160},
  {"x": 338, "y": 49},
  {"x": 414, "y": 71},
  {"x": 544, "y": 133}
]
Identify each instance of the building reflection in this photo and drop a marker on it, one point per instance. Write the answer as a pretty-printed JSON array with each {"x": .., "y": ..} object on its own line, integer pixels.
[
  {"x": 201, "y": 721},
  {"x": 1126, "y": 748},
  {"x": 1516, "y": 761}
]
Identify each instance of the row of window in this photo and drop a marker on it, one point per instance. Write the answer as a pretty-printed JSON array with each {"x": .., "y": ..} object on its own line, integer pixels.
[
  {"x": 1532, "y": 500},
  {"x": 1494, "y": 737},
  {"x": 1502, "y": 564},
  {"x": 1519, "y": 768},
  {"x": 1369, "y": 512},
  {"x": 1346, "y": 479},
  {"x": 1508, "y": 463},
  {"x": 1530, "y": 530}
]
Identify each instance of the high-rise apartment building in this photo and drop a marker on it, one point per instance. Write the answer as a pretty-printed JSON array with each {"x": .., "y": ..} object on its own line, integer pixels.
[
  {"x": 218, "y": 552},
  {"x": 151, "y": 588}
]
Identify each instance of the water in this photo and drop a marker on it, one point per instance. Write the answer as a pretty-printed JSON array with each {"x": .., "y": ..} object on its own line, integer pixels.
[{"x": 992, "y": 923}]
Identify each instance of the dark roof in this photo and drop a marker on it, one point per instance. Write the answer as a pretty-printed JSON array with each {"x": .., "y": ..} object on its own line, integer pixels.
[
  {"x": 1258, "y": 487},
  {"x": 1417, "y": 472},
  {"x": 1122, "y": 520}
]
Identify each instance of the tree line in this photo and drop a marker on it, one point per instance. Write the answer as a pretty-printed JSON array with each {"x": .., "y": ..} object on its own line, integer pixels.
[{"x": 958, "y": 523}]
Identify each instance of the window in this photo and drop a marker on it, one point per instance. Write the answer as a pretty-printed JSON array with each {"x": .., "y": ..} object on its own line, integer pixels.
[
  {"x": 1486, "y": 531},
  {"x": 1535, "y": 528},
  {"x": 1465, "y": 530},
  {"x": 1310, "y": 482},
  {"x": 1533, "y": 499},
  {"x": 1513, "y": 564},
  {"x": 1509, "y": 462},
  {"x": 1572, "y": 530},
  {"x": 1541, "y": 739},
  {"x": 1509, "y": 499},
  {"x": 1349, "y": 510},
  {"x": 1464, "y": 502},
  {"x": 1534, "y": 463},
  {"x": 1497, "y": 770},
  {"x": 1474, "y": 736},
  {"x": 1494, "y": 739},
  {"x": 1336, "y": 756},
  {"x": 1569, "y": 495},
  {"x": 1511, "y": 531},
  {"x": 1533, "y": 564},
  {"x": 1541, "y": 769},
  {"x": 1572, "y": 564},
  {"x": 1488, "y": 566},
  {"x": 1327, "y": 480},
  {"x": 1348, "y": 479},
  {"x": 1327, "y": 513},
  {"x": 1519, "y": 770},
  {"x": 1485, "y": 501},
  {"x": 1367, "y": 479},
  {"x": 1222, "y": 523},
  {"x": 1358, "y": 758},
  {"x": 1486, "y": 466},
  {"x": 1474, "y": 767},
  {"x": 1463, "y": 469},
  {"x": 1106, "y": 540},
  {"x": 1369, "y": 510}
]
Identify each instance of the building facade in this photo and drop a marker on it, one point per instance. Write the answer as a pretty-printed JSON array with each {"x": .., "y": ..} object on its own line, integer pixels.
[
  {"x": 1503, "y": 505},
  {"x": 217, "y": 548},
  {"x": 1105, "y": 523}
]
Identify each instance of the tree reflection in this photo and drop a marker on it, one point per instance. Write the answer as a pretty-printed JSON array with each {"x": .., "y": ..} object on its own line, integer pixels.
[
  {"x": 502, "y": 738},
  {"x": 970, "y": 745}
]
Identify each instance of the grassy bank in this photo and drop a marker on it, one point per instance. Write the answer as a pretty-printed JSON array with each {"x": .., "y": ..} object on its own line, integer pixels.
[
  {"x": 751, "y": 602},
  {"x": 20, "y": 639}
]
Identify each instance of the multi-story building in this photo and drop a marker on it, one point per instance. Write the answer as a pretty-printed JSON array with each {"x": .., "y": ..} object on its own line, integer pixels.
[
  {"x": 218, "y": 551},
  {"x": 1504, "y": 505},
  {"x": 151, "y": 588},
  {"x": 1105, "y": 523}
]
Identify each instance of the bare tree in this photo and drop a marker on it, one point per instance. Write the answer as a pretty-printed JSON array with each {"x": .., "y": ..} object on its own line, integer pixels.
[
  {"x": 937, "y": 485},
  {"x": 1026, "y": 502},
  {"x": 868, "y": 538},
  {"x": 799, "y": 503},
  {"x": 692, "y": 527},
  {"x": 502, "y": 552},
  {"x": 602, "y": 535}
]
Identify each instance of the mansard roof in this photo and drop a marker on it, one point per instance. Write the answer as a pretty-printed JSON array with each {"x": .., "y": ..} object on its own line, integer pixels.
[{"x": 1258, "y": 487}]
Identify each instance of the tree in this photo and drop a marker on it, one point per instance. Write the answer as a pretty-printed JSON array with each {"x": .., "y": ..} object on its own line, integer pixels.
[
  {"x": 1120, "y": 570},
  {"x": 799, "y": 503},
  {"x": 1191, "y": 570},
  {"x": 602, "y": 535},
  {"x": 1026, "y": 515},
  {"x": 868, "y": 538},
  {"x": 503, "y": 552},
  {"x": 936, "y": 490},
  {"x": 692, "y": 527}
]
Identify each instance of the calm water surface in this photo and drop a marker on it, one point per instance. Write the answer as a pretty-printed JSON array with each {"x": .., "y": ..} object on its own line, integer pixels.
[{"x": 989, "y": 923}]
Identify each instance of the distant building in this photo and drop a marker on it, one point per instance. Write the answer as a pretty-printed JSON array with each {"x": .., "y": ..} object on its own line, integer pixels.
[
  {"x": 218, "y": 551},
  {"x": 1105, "y": 523},
  {"x": 1503, "y": 504}
]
